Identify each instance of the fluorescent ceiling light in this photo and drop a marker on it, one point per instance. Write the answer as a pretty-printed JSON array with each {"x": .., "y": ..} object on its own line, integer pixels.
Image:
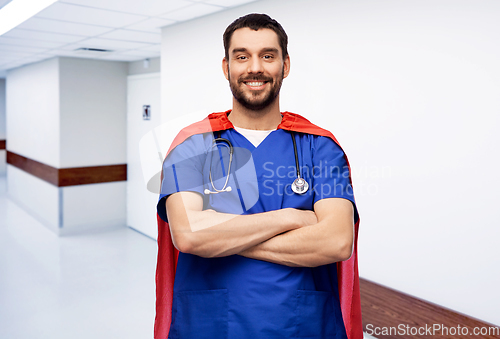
[{"x": 18, "y": 11}]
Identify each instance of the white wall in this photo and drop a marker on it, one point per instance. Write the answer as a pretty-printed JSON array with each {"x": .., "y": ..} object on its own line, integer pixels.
[
  {"x": 2, "y": 126},
  {"x": 410, "y": 89},
  {"x": 36, "y": 196},
  {"x": 32, "y": 96},
  {"x": 3, "y": 162},
  {"x": 2, "y": 109},
  {"x": 137, "y": 67},
  {"x": 93, "y": 207},
  {"x": 93, "y": 97},
  {"x": 92, "y": 112},
  {"x": 33, "y": 111},
  {"x": 143, "y": 89},
  {"x": 69, "y": 112}
]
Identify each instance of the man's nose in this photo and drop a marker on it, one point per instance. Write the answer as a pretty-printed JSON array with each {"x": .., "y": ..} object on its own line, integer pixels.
[{"x": 255, "y": 66}]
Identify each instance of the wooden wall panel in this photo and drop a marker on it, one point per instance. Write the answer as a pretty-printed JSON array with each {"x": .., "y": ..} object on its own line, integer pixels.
[
  {"x": 3, "y": 144},
  {"x": 384, "y": 307},
  {"x": 92, "y": 175},
  {"x": 69, "y": 176}
]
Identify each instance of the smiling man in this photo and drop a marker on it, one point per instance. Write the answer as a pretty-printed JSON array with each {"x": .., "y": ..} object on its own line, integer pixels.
[{"x": 273, "y": 257}]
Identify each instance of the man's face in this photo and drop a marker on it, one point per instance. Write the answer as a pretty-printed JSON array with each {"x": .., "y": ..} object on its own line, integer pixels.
[{"x": 255, "y": 68}]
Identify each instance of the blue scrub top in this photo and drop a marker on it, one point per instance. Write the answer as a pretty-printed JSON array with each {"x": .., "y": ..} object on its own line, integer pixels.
[{"x": 239, "y": 297}]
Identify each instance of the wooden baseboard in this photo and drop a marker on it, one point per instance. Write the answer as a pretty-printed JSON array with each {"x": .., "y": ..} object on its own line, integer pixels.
[
  {"x": 3, "y": 144},
  {"x": 74, "y": 176},
  {"x": 385, "y": 308}
]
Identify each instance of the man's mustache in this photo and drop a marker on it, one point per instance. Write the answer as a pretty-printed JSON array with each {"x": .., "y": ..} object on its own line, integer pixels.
[{"x": 256, "y": 78}]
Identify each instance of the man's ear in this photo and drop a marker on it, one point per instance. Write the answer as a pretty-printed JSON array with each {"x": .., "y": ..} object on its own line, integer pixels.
[
  {"x": 286, "y": 66},
  {"x": 225, "y": 68}
]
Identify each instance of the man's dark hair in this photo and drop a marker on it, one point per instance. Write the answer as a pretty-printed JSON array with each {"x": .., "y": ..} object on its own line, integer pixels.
[{"x": 256, "y": 21}]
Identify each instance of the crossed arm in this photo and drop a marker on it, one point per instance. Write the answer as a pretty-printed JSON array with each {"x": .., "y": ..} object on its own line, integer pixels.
[{"x": 288, "y": 236}]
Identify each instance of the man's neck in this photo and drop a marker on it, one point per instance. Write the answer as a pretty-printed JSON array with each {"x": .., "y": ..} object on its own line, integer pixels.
[{"x": 266, "y": 119}]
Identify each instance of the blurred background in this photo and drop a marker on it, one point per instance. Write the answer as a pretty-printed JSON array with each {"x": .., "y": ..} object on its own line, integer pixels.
[{"x": 92, "y": 92}]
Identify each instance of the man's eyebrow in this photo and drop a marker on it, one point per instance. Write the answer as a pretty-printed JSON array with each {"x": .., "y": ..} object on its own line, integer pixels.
[
  {"x": 238, "y": 50},
  {"x": 271, "y": 49},
  {"x": 264, "y": 50}
]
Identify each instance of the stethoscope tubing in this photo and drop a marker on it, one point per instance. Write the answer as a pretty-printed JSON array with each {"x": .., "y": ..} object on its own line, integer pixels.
[
  {"x": 225, "y": 188},
  {"x": 299, "y": 185}
]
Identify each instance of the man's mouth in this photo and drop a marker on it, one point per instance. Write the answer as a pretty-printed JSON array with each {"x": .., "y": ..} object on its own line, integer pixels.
[{"x": 255, "y": 85}]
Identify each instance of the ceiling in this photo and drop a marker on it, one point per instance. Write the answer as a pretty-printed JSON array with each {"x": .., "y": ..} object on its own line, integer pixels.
[{"x": 129, "y": 29}]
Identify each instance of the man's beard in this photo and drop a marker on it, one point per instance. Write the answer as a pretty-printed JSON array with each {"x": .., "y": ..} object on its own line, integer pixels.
[{"x": 253, "y": 103}]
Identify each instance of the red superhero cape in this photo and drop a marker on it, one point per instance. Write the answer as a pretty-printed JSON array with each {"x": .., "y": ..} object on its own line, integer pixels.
[{"x": 347, "y": 271}]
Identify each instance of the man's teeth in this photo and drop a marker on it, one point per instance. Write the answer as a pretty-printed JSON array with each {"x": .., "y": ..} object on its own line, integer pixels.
[{"x": 255, "y": 83}]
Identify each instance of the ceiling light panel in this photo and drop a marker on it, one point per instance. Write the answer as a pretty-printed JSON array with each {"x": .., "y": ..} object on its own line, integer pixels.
[
  {"x": 191, "y": 12},
  {"x": 18, "y": 11},
  {"x": 143, "y": 7},
  {"x": 42, "y": 36},
  {"x": 56, "y": 26},
  {"x": 153, "y": 25},
  {"x": 126, "y": 35},
  {"x": 88, "y": 15},
  {"x": 4, "y": 2}
]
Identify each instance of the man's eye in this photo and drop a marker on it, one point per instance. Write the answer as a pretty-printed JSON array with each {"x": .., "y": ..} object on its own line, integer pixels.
[
  {"x": 241, "y": 57},
  {"x": 268, "y": 56}
]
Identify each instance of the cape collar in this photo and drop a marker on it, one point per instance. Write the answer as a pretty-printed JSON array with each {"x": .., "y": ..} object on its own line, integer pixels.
[{"x": 291, "y": 122}]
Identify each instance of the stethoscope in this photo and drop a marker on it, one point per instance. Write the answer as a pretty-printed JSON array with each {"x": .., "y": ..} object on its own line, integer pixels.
[
  {"x": 225, "y": 188},
  {"x": 299, "y": 185}
]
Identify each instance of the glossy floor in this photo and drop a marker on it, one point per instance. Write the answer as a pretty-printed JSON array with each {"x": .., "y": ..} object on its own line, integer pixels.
[{"x": 98, "y": 285}]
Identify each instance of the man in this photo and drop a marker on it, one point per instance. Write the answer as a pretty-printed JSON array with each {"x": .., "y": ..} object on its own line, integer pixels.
[{"x": 260, "y": 254}]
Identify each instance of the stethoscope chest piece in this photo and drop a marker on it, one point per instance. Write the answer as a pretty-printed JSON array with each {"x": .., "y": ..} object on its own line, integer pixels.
[{"x": 300, "y": 186}]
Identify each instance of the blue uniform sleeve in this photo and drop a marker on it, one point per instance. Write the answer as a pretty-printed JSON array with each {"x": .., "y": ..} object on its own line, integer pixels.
[
  {"x": 331, "y": 174},
  {"x": 182, "y": 171}
]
